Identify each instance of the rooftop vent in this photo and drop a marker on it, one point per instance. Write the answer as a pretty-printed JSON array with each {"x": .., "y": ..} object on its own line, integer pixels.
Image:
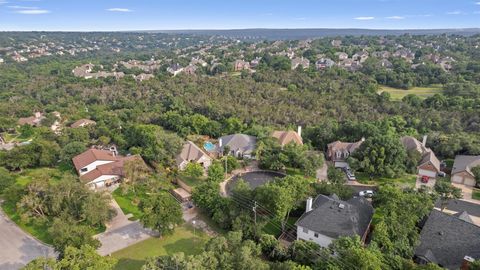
[{"x": 341, "y": 206}]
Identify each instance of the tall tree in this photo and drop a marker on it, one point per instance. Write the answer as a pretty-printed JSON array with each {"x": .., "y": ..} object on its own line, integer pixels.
[{"x": 161, "y": 212}]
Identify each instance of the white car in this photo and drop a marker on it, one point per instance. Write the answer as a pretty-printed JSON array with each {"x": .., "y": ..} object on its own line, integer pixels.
[{"x": 366, "y": 193}]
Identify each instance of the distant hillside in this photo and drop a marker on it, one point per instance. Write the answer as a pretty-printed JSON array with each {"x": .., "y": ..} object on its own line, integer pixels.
[{"x": 292, "y": 34}]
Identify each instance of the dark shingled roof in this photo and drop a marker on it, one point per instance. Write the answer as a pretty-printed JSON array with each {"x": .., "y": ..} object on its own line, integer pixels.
[
  {"x": 329, "y": 218},
  {"x": 473, "y": 209},
  {"x": 446, "y": 240}
]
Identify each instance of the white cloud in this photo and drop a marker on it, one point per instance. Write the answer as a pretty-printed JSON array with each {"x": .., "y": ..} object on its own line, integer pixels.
[
  {"x": 365, "y": 18},
  {"x": 456, "y": 12},
  {"x": 32, "y": 11},
  {"x": 477, "y": 3},
  {"x": 396, "y": 17},
  {"x": 119, "y": 10},
  {"x": 22, "y": 7}
]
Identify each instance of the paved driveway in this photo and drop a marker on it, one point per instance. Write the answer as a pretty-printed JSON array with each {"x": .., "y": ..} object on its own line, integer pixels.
[
  {"x": 121, "y": 233},
  {"x": 18, "y": 248}
]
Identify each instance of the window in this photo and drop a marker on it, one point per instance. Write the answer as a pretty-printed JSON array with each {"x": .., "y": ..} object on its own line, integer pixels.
[
  {"x": 83, "y": 169},
  {"x": 305, "y": 230},
  {"x": 316, "y": 235}
]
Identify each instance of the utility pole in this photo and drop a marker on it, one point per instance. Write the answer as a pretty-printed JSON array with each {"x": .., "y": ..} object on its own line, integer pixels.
[
  {"x": 226, "y": 166},
  {"x": 254, "y": 209}
]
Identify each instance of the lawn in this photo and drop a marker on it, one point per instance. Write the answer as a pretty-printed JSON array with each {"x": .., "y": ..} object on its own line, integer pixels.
[
  {"x": 407, "y": 180},
  {"x": 298, "y": 172},
  {"x": 126, "y": 203},
  {"x": 182, "y": 240},
  {"x": 422, "y": 92},
  {"x": 26, "y": 176},
  {"x": 476, "y": 194},
  {"x": 191, "y": 181},
  {"x": 39, "y": 231}
]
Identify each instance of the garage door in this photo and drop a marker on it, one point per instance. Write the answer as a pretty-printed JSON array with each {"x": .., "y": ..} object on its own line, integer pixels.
[
  {"x": 341, "y": 164},
  {"x": 469, "y": 181},
  {"x": 427, "y": 173},
  {"x": 457, "y": 179}
]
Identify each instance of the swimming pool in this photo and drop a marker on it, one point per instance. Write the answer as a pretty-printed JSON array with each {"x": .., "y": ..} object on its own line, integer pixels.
[{"x": 209, "y": 146}]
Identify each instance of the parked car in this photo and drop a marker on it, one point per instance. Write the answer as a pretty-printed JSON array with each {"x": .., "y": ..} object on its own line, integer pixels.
[
  {"x": 366, "y": 193},
  {"x": 350, "y": 174},
  {"x": 424, "y": 179},
  {"x": 442, "y": 174}
]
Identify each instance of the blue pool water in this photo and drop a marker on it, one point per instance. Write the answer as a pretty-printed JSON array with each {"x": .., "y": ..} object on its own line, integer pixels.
[{"x": 209, "y": 146}]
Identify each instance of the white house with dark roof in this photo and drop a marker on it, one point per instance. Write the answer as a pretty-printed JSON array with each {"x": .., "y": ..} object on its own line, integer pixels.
[{"x": 327, "y": 218}]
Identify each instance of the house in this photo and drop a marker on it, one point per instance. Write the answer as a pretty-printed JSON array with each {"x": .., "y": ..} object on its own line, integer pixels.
[
  {"x": 192, "y": 153},
  {"x": 327, "y": 218},
  {"x": 143, "y": 77},
  {"x": 100, "y": 168},
  {"x": 462, "y": 170},
  {"x": 323, "y": 63},
  {"x": 429, "y": 165},
  {"x": 451, "y": 241},
  {"x": 83, "y": 123},
  {"x": 239, "y": 145},
  {"x": 254, "y": 63},
  {"x": 341, "y": 55},
  {"x": 240, "y": 65},
  {"x": 190, "y": 69},
  {"x": 34, "y": 120},
  {"x": 336, "y": 43},
  {"x": 386, "y": 64},
  {"x": 300, "y": 61},
  {"x": 286, "y": 137},
  {"x": 175, "y": 69},
  {"x": 339, "y": 151},
  {"x": 360, "y": 56}
]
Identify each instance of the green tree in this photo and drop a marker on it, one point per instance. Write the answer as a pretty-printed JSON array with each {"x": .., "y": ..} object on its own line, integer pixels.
[
  {"x": 381, "y": 155},
  {"x": 335, "y": 175},
  {"x": 194, "y": 169},
  {"x": 84, "y": 257},
  {"x": 161, "y": 212},
  {"x": 66, "y": 233},
  {"x": 447, "y": 192},
  {"x": 6, "y": 180},
  {"x": 216, "y": 172}
]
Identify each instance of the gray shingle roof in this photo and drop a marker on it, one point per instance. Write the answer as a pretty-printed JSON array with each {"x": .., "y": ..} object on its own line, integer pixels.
[
  {"x": 327, "y": 217},
  {"x": 473, "y": 209},
  {"x": 465, "y": 163},
  {"x": 239, "y": 142},
  {"x": 447, "y": 240}
]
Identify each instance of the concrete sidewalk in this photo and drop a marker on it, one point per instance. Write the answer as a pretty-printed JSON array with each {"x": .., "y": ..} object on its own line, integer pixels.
[{"x": 121, "y": 233}]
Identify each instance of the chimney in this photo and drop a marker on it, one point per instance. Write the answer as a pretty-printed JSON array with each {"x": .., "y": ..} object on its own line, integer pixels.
[
  {"x": 467, "y": 260},
  {"x": 299, "y": 131},
  {"x": 362, "y": 139},
  {"x": 309, "y": 205},
  {"x": 424, "y": 141},
  {"x": 220, "y": 142}
]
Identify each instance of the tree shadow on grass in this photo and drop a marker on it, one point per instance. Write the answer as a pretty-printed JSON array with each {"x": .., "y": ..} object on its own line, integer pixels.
[
  {"x": 129, "y": 264},
  {"x": 187, "y": 246}
]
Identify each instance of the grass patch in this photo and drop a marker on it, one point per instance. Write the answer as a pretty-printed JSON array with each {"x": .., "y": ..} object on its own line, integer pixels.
[
  {"x": 191, "y": 181},
  {"x": 182, "y": 240},
  {"x": 274, "y": 227},
  {"x": 407, "y": 180},
  {"x": 422, "y": 92},
  {"x": 476, "y": 194},
  {"x": 38, "y": 230},
  {"x": 126, "y": 203},
  {"x": 26, "y": 176}
]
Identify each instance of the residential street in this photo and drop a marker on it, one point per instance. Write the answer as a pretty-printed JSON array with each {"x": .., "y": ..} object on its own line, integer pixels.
[{"x": 17, "y": 247}]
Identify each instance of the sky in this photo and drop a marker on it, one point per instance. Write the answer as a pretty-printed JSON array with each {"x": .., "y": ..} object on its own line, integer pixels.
[{"x": 126, "y": 15}]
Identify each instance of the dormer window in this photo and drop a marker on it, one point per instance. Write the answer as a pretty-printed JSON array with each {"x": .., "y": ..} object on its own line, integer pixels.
[{"x": 84, "y": 169}]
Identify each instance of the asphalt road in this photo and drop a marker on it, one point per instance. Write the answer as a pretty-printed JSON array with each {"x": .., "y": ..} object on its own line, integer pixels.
[{"x": 18, "y": 248}]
